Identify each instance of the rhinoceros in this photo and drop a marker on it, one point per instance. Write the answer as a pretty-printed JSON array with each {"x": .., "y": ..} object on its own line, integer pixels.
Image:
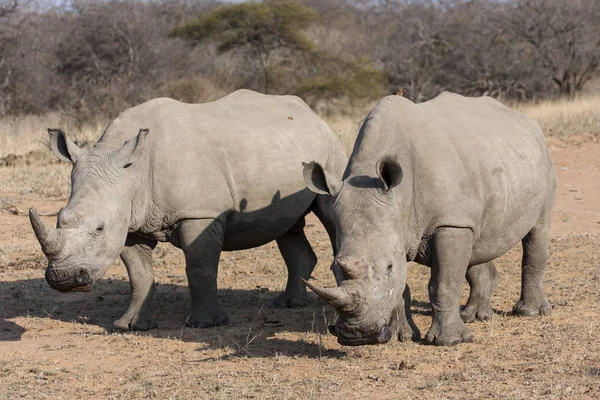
[
  {"x": 225, "y": 175},
  {"x": 451, "y": 183}
]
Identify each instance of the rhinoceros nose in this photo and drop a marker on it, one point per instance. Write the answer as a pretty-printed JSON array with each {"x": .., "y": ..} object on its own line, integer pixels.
[{"x": 82, "y": 277}]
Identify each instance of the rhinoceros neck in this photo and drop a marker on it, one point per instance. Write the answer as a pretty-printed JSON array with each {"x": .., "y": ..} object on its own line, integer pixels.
[
  {"x": 388, "y": 132},
  {"x": 136, "y": 179},
  {"x": 139, "y": 194}
]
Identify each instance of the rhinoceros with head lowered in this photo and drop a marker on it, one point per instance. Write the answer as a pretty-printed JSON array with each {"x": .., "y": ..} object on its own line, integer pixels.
[
  {"x": 452, "y": 183},
  {"x": 225, "y": 175}
]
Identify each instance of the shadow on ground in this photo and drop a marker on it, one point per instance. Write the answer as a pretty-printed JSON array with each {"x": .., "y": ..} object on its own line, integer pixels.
[{"x": 254, "y": 327}]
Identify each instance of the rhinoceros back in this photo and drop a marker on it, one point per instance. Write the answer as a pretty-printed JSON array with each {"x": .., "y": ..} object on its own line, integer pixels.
[
  {"x": 238, "y": 158},
  {"x": 469, "y": 162}
]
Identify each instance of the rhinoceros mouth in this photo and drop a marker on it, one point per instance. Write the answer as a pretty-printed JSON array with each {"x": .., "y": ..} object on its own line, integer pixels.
[
  {"x": 384, "y": 336},
  {"x": 71, "y": 285},
  {"x": 85, "y": 288},
  {"x": 80, "y": 281}
]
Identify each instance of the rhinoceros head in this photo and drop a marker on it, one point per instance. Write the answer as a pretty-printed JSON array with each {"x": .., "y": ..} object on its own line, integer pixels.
[
  {"x": 91, "y": 230},
  {"x": 371, "y": 256}
]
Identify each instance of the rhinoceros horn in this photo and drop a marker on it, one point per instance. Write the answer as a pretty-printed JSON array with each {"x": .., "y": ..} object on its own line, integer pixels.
[
  {"x": 338, "y": 297},
  {"x": 50, "y": 239}
]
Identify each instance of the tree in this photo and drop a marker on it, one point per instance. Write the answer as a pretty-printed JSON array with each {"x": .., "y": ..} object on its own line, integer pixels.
[
  {"x": 270, "y": 31},
  {"x": 115, "y": 54},
  {"x": 8, "y": 7},
  {"x": 350, "y": 79},
  {"x": 10, "y": 21},
  {"x": 565, "y": 35}
]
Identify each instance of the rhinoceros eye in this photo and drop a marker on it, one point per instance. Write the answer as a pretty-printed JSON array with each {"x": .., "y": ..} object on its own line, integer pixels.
[
  {"x": 100, "y": 228},
  {"x": 389, "y": 269}
]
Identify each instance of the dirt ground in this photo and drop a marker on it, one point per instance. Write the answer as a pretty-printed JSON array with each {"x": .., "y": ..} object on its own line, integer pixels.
[{"x": 55, "y": 346}]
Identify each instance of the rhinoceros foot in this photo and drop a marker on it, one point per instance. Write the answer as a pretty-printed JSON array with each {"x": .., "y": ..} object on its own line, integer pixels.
[
  {"x": 483, "y": 280},
  {"x": 208, "y": 320},
  {"x": 450, "y": 334},
  {"x": 291, "y": 300},
  {"x": 406, "y": 327},
  {"x": 409, "y": 332},
  {"x": 127, "y": 323},
  {"x": 539, "y": 306},
  {"x": 481, "y": 311}
]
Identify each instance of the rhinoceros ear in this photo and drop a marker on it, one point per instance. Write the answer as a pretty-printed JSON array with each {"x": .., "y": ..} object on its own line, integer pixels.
[
  {"x": 389, "y": 172},
  {"x": 320, "y": 181},
  {"x": 131, "y": 150},
  {"x": 64, "y": 148}
]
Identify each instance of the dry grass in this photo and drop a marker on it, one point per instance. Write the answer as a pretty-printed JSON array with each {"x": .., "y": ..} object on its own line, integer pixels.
[
  {"x": 55, "y": 345},
  {"x": 347, "y": 124},
  {"x": 32, "y": 181},
  {"x": 23, "y": 134},
  {"x": 561, "y": 117},
  {"x": 565, "y": 117}
]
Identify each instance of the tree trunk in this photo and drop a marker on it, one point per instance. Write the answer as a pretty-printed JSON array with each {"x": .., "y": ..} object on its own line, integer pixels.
[
  {"x": 566, "y": 83},
  {"x": 266, "y": 73},
  {"x": 263, "y": 56}
]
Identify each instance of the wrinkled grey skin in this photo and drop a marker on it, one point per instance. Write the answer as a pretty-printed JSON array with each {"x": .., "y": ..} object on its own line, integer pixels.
[
  {"x": 225, "y": 175},
  {"x": 452, "y": 183}
]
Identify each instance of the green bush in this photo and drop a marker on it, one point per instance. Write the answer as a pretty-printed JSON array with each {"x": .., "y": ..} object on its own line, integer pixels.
[
  {"x": 271, "y": 33},
  {"x": 194, "y": 90},
  {"x": 355, "y": 80}
]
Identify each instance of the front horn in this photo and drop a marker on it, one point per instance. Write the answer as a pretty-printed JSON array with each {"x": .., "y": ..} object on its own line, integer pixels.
[
  {"x": 50, "y": 239},
  {"x": 338, "y": 297}
]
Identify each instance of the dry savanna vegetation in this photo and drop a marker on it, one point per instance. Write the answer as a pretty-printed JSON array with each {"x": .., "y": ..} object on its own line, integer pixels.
[
  {"x": 76, "y": 64},
  {"x": 565, "y": 116},
  {"x": 55, "y": 345},
  {"x": 90, "y": 59}
]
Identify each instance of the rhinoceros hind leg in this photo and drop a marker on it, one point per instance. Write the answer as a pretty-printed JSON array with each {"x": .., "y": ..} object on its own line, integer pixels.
[
  {"x": 300, "y": 260},
  {"x": 483, "y": 280},
  {"x": 201, "y": 241},
  {"x": 535, "y": 255},
  {"x": 137, "y": 257},
  {"x": 450, "y": 257}
]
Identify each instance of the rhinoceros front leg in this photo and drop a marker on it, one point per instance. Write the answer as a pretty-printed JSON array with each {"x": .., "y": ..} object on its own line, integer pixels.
[
  {"x": 201, "y": 241},
  {"x": 137, "y": 257},
  {"x": 300, "y": 260},
  {"x": 483, "y": 280},
  {"x": 535, "y": 255},
  {"x": 407, "y": 329},
  {"x": 450, "y": 257},
  {"x": 321, "y": 207}
]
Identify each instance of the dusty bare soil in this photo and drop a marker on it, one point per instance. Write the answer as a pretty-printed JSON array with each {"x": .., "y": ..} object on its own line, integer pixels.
[{"x": 55, "y": 345}]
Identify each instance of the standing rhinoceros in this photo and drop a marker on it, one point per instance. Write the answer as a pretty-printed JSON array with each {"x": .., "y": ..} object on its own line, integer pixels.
[
  {"x": 225, "y": 175},
  {"x": 452, "y": 183}
]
